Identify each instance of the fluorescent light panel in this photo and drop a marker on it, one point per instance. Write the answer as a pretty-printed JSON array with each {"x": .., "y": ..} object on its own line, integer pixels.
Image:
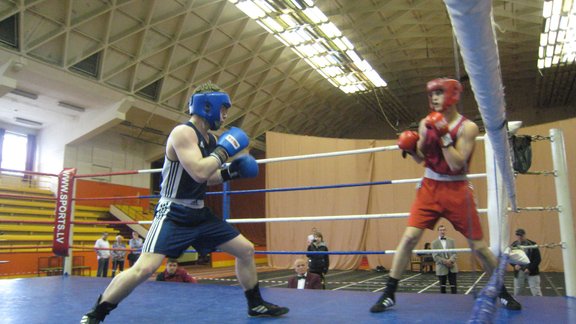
[
  {"x": 304, "y": 28},
  {"x": 27, "y": 121},
  {"x": 558, "y": 39},
  {"x": 24, "y": 93},
  {"x": 70, "y": 106}
]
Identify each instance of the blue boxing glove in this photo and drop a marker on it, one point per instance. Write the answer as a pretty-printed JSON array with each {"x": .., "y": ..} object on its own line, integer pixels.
[
  {"x": 230, "y": 143},
  {"x": 244, "y": 166}
]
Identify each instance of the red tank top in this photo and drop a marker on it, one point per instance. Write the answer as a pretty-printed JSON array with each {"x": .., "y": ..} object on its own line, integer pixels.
[{"x": 433, "y": 156}]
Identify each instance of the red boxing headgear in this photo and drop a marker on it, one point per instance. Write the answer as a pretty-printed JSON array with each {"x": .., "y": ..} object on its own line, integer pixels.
[{"x": 451, "y": 88}]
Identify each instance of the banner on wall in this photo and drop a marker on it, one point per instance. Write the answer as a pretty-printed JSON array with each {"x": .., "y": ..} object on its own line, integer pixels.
[{"x": 63, "y": 212}]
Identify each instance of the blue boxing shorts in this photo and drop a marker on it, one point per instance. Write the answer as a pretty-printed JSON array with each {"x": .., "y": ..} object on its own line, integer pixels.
[{"x": 176, "y": 227}]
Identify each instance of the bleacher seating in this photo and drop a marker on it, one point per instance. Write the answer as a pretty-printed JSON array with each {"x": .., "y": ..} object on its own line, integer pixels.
[
  {"x": 52, "y": 266},
  {"x": 27, "y": 223},
  {"x": 35, "y": 208}
]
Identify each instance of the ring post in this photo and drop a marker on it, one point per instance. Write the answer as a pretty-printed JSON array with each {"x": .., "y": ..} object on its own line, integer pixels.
[
  {"x": 564, "y": 210},
  {"x": 68, "y": 263},
  {"x": 62, "y": 212},
  {"x": 226, "y": 200}
]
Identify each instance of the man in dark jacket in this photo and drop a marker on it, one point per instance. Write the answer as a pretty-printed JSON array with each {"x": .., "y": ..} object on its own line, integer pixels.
[
  {"x": 318, "y": 263},
  {"x": 529, "y": 272}
]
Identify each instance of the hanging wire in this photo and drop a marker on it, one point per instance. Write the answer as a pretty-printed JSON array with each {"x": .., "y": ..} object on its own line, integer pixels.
[{"x": 382, "y": 110}]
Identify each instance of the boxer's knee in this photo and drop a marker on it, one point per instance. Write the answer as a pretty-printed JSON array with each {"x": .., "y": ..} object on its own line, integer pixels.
[{"x": 245, "y": 251}]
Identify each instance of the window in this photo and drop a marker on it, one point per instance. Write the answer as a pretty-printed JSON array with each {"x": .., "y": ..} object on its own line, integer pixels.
[{"x": 14, "y": 151}]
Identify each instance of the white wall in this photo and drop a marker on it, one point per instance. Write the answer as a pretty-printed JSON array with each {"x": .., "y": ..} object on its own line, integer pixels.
[{"x": 107, "y": 153}]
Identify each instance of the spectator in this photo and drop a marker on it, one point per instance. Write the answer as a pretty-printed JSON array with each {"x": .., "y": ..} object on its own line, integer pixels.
[
  {"x": 135, "y": 248},
  {"x": 446, "y": 267},
  {"x": 175, "y": 274},
  {"x": 304, "y": 279},
  {"x": 102, "y": 248},
  {"x": 531, "y": 271},
  {"x": 319, "y": 263},
  {"x": 118, "y": 255},
  {"x": 310, "y": 237},
  {"x": 426, "y": 259}
]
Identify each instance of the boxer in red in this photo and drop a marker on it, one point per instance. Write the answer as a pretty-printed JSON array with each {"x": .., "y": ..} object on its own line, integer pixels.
[{"x": 445, "y": 143}]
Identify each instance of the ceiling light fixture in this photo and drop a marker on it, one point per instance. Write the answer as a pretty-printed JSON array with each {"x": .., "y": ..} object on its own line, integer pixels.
[
  {"x": 304, "y": 28},
  {"x": 24, "y": 93},
  {"x": 27, "y": 122},
  {"x": 71, "y": 106},
  {"x": 558, "y": 38}
]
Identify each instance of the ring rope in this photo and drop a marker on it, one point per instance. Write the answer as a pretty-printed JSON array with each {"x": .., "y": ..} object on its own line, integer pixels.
[
  {"x": 429, "y": 251},
  {"x": 118, "y": 197},
  {"x": 11, "y": 196},
  {"x": 329, "y": 154},
  {"x": 543, "y": 246},
  {"x": 384, "y": 182},
  {"x": 263, "y": 161},
  {"x": 364, "y": 252},
  {"x": 315, "y": 218},
  {"x": 236, "y": 192},
  {"x": 554, "y": 208},
  {"x": 291, "y": 219},
  {"x": 81, "y": 247},
  {"x": 110, "y": 222}
]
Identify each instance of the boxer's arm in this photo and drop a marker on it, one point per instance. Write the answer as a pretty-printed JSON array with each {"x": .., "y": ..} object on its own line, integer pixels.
[
  {"x": 419, "y": 156},
  {"x": 182, "y": 145},
  {"x": 457, "y": 155}
]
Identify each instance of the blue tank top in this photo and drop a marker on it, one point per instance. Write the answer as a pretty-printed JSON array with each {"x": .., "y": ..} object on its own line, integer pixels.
[{"x": 176, "y": 182}]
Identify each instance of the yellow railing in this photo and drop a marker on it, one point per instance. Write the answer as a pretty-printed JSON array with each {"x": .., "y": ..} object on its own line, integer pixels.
[
  {"x": 20, "y": 182},
  {"x": 135, "y": 212}
]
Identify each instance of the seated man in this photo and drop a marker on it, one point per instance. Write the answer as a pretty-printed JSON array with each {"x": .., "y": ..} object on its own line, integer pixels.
[
  {"x": 304, "y": 279},
  {"x": 175, "y": 274}
]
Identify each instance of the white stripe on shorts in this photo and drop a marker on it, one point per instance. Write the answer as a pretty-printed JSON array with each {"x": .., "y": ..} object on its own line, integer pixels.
[{"x": 155, "y": 230}]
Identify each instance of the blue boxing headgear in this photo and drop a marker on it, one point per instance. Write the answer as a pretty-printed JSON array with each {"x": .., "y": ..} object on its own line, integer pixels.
[{"x": 207, "y": 105}]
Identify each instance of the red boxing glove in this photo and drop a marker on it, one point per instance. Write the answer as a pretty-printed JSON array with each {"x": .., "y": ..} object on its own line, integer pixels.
[
  {"x": 438, "y": 123},
  {"x": 407, "y": 142}
]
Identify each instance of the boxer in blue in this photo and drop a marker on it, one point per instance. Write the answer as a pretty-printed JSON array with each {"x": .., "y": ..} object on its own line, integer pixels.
[{"x": 194, "y": 160}]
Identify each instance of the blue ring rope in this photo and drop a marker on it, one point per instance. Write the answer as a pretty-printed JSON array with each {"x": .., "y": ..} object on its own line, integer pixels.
[
  {"x": 302, "y": 188},
  {"x": 239, "y": 192}
]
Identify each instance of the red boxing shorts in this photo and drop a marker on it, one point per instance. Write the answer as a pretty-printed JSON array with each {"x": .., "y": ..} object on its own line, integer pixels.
[{"x": 453, "y": 200}]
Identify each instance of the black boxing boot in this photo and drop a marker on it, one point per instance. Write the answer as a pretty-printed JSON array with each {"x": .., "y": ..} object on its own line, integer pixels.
[
  {"x": 508, "y": 301},
  {"x": 387, "y": 299},
  {"x": 257, "y": 307},
  {"x": 97, "y": 314}
]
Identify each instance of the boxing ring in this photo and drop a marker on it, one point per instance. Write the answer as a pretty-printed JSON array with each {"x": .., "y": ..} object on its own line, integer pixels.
[
  {"x": 64, "y": 299},
  {"x": 72, "y": 295}
]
